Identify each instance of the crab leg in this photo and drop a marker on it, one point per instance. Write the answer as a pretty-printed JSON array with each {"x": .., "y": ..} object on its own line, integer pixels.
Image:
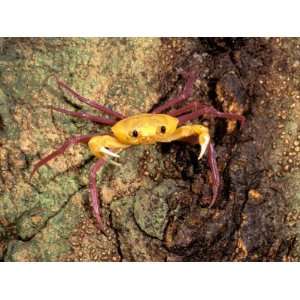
[
  {"x": 193, "y": 106},
  {"x": 186, "y": 93},
  {"x": 94, "y": 191},
  {"x": 201, "y": 109},
  {"x": 71, "y": 141},
  {"x": 84, "y": 116},
  {"x": 198, "y": 110},
  {"x": 186, "y": 132},
  {"x": 89, "y": 102},
  {"x": 212, "y": 161}
]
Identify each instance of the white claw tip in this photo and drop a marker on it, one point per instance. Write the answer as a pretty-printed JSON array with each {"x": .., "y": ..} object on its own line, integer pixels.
[
  {"x": 203, "y": 147},
  {"x": 108, "y": 152}
]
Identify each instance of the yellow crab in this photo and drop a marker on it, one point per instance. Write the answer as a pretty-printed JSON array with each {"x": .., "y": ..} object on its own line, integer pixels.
[{"x": 145, "y": 128}]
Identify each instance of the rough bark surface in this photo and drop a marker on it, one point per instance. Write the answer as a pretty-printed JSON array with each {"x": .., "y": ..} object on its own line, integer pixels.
[{"x": 155, "y": 205}]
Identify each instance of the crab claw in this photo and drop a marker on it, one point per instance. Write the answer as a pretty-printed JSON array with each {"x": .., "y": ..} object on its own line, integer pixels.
[
  {"x": 105, "y": 150},
  {"x": 106, "y": 146},
  {"x": 204, "y": 142}
]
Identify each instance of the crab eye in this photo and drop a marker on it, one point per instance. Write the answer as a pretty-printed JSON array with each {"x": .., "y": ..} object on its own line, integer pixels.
[
  {"x": 135, "y": 133},
  {"x": 162, "y": 129}
]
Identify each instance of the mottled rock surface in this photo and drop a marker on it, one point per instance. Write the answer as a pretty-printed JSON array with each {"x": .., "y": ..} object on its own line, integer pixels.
[{"x": 155, "y": 205}]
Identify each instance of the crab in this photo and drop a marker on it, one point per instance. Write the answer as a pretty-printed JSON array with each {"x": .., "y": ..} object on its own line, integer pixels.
[{"x": 145, "y": 128}]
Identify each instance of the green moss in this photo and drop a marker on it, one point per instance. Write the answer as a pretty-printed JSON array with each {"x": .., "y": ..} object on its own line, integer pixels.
[
  {"x": 107, "y": 69},
  {"x": 46, "y": 205},
  {"x": 51, "y": 242},
  {"x": 10, "y": 130}
]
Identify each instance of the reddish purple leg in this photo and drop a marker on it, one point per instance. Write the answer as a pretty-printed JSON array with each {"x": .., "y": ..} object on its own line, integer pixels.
[
  {"x": 89, "y": 102},
  {"x": 84, "y": 116},
  {"x": 212, "y": 161},
  {"x": 94, "y": 192},
  {"x": 197, "y": 109},
  {"x": 71, "y": 141},
  {"x": 186, "y": 93},
  {"x": 193, "y": 106},
  {"x": 201, "y": 109}
]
